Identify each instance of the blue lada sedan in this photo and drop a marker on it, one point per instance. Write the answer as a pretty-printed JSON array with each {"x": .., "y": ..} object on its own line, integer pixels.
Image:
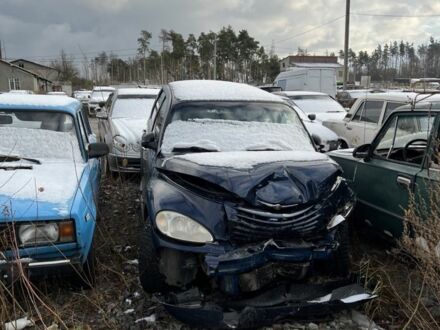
[{"x": 49, "y": 180}]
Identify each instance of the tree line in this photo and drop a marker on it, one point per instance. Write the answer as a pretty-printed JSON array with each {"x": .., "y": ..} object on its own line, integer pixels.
[
  {"x": 396, "y": 59},
  {"x": 225, "y": 55}
]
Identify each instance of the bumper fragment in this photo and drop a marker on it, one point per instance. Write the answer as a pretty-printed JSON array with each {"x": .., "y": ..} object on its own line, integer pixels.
[{"x": 286, "y": 301}]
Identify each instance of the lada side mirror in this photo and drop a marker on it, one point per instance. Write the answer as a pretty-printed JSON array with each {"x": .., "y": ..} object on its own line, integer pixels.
[{"x": 362, "y": 151}]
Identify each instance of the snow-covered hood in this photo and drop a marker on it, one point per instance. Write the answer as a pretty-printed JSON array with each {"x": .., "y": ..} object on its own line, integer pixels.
[
  {"x": 42, "y": 191},
  {"x": 323, "y": 116},
  {"x": 274, "y": 177},
  {"x": 129, "y": 128},
  {"x": 324, "y": 133}
]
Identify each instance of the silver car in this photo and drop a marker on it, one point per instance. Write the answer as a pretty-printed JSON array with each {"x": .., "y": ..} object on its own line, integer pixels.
[{"x": 121, "y": 124}]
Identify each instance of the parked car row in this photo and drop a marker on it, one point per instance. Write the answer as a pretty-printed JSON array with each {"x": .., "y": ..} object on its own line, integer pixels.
[{"x": 237, "y": 196}]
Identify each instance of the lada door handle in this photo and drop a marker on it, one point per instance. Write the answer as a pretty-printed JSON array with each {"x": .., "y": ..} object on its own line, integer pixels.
[{"x": 403, "y": 181}]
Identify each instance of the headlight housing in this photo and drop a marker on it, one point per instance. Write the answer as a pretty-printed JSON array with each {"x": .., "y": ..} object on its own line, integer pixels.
[
  {"x": 338, "y": 181},
  {"x": 181, "y": 227},
  {"x": 136, "y": 147},
  {"x": 32, "y": 234},
  {"x": 120, "y": 143}
]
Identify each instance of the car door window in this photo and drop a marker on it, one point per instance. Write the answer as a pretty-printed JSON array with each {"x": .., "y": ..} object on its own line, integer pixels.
[
  {"x": 405, "y": 139},
  {"x": 83, "y": 132},
  {"x": 160, "y": 117},
  {"x": 390, "y": 107},
  {"x": 369, "y": 112}
]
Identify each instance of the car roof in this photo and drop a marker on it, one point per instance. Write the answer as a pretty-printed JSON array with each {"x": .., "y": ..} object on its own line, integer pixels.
[
  {"x": 217, "y": 90},
  {"x": 138, "y": 91},
  {"x": 103, "y": 88},
  {"x": 396, "y": 96},
  {"x": 422, "y": 106},
  {"x": 298, "y": 93},
  {"x": 39, "y": 102}
]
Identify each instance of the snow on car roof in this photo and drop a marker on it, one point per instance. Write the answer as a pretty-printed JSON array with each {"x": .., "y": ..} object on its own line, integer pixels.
[
  {"x": 103, "y": 88},
  {"x": 217, "y": 90},
  {"x": 39, "y": 102},
  {"x": 295, "y": 93},
  {"x": 138, "y": 91}
]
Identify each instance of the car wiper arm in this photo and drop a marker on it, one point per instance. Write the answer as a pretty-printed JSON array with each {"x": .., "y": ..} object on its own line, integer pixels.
[
  {"x": 11, "y": 158},
  {"x": 193, "y": 149}
]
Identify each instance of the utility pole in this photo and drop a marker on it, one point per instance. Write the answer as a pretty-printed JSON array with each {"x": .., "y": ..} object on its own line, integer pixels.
[
  {"x": 347, "y": 36},
  {"x": 215, "y": 58}
]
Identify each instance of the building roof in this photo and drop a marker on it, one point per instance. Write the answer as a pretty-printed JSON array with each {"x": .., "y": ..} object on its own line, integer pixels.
[
  {"x": 39, "y": 102},
  {"x": 217, "y": 90},
  {"x": 24, "y": 70},
  {"x": 138, "y": 91},
  {"x": 35, "y": 63}
]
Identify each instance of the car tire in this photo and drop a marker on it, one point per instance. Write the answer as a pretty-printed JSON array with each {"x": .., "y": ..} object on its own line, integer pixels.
[
  {"x": 340, "y": 263},
  {"x": 86, "y": 277},
  {"x": 149, "y": 275}
]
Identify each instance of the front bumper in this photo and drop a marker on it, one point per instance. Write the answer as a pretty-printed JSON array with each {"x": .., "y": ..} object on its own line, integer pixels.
[
  {"x": 284, "y": 301},
  {"x": 124, "y": 164}
]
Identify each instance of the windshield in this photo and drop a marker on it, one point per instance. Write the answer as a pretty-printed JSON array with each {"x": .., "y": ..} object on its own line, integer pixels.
[
  {"x": 230, "y": 126},
  {"x": 100, "y": 95},
  {"x": 316, "y": 103},
  {"x": 38, "y": 134},
  {"x": 135, "y": 106}
]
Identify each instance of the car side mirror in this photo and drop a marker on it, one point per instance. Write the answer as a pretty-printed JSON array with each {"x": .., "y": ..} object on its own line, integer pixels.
[
  {"x": 363, "y": 151},
  {"x": 101, "y": 104},
  {"x": 97, "y": 149},
  {"x": 311, "y": 116},
  {"x": 149, "y": 141}
]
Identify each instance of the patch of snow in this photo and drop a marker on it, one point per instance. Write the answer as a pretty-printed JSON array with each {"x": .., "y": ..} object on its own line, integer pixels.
[
  {"x": 129, "y": 311},
  {"x": 357, "y": 297},
  {"x": 231, "y": 135},
  {"x": 54, "y": 182},
  {"x": 219, "y": 90},
  {"x": 17, "y": 100},
  {"x": 151, "y": 318},
  {"x": 249, "y": 159},
  {"x": 138, "y": 91},
  {"x": 132, "y": 262},
  {"x": 19, "y": 324},
  {"x": 39, "y": 143}
]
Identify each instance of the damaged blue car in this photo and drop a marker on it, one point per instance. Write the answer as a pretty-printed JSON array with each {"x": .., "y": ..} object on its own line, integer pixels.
[
  {"x": 238, "y": 207},
  {"x": 49, "y": 181}
]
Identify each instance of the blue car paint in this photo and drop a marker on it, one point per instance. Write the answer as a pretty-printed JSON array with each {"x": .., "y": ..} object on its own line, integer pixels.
[{"x": 81, "y": 207}]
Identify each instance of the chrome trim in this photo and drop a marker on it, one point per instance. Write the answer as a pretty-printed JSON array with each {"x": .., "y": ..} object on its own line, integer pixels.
[{"x": 274, "y": 215}]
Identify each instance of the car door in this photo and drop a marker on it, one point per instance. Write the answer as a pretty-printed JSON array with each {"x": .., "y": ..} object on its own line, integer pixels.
[
  {"x": 384, "y": 180},
  {"x": 363, "y": 125}
]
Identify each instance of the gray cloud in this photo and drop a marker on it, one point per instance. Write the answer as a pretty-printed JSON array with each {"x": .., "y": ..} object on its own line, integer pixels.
[{"x": 39, "y": 29}]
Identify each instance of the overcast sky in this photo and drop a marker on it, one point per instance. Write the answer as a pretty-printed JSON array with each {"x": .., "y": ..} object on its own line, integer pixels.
[{"x": 38, "y": 29}]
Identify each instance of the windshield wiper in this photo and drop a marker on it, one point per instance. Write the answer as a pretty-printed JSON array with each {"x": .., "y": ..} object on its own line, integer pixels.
[
  {"x": 193, "y": 149},
  {"x": 12, "y": 158}
]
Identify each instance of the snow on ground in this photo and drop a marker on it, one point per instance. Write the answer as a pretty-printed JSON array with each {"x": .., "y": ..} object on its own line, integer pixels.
[{"x": 230, "y": 135}]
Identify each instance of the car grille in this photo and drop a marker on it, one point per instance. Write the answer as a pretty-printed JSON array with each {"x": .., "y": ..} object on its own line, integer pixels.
[{"x": 249, "y": 225}]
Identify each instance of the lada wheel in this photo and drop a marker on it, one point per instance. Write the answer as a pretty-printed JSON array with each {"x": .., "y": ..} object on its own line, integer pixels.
[{"x": 149, "y": 275}]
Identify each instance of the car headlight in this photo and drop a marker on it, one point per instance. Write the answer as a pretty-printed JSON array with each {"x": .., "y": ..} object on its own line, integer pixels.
[
  {"x": 136, "y": 147},
  {"x": 120, "y": 143},
  {"x": 338, "y": 181},
  {"x": 46, "y": 233},
  {"x": 181, "y": 227}
]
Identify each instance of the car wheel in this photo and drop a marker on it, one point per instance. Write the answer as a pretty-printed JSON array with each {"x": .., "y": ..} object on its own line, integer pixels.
[
  {"x": 86, "y": 277},
  {"x": 342, "y": 144},
  {"x": 149, "y": 275},
  {"x": 339, "y": 265}
]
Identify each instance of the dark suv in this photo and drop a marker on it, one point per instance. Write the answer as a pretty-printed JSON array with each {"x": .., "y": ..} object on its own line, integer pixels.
[{"x": 234, "y": 193}]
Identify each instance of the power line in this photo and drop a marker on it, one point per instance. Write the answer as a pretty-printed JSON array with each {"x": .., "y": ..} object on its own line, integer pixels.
[{"x": 395, "y": 15}]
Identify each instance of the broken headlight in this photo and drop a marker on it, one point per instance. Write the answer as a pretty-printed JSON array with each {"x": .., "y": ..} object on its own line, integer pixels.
[
  {"x": 46, "y": 233},
  {"x": 338, "y": 181},
  {"x": 181, "y": 227}
]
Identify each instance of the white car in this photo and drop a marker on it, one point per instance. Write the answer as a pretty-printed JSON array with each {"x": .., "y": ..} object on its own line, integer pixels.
[
  {"x": 320, "y": 104},
  {"x": 367, "y": 114},
  {"x": 99, "y": 96},
  {"x": 82, "y": 95},
  {"x": 121, "y": 126},
  {"x": 325, "y": 138}
]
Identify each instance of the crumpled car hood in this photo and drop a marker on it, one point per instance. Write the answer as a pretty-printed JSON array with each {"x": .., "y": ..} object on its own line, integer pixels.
[
  {"x": 287, "y": 182},
  {"x": 130, "y": 128},
  {"x": 44, "y": 191}
]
